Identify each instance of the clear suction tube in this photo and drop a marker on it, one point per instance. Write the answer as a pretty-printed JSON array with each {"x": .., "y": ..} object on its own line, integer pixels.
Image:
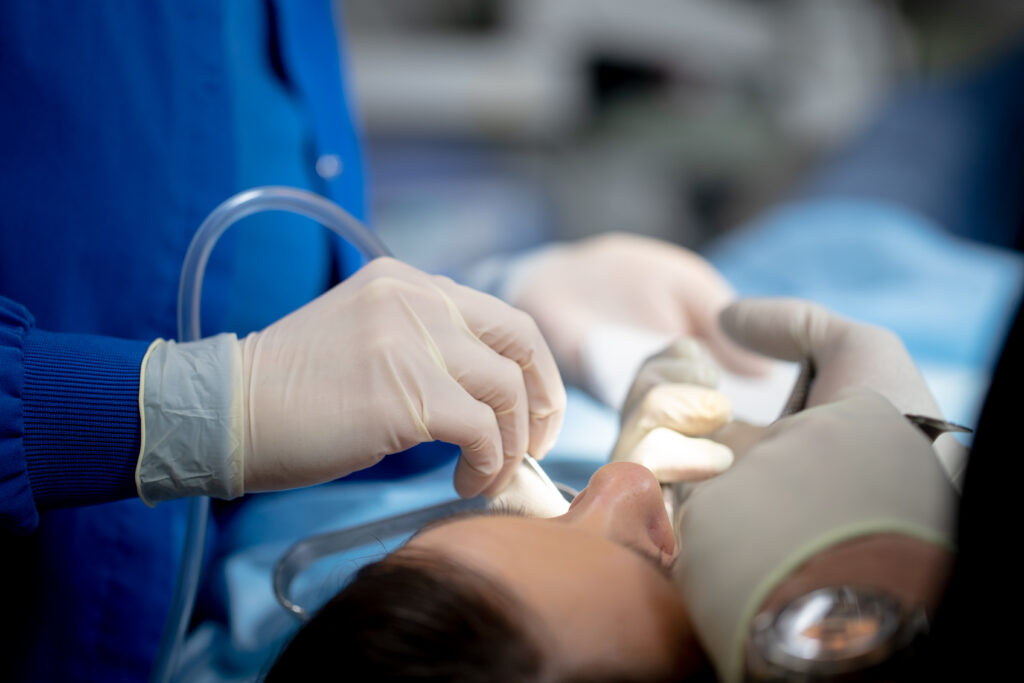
[{"x": 243, "y": 204}]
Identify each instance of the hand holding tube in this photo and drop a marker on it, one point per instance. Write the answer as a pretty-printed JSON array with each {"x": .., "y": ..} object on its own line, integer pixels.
[{"x": 390, "y": 358}]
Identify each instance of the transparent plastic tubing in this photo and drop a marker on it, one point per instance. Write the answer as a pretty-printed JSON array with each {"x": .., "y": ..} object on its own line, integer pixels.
[{"x": 256, "y": 200}]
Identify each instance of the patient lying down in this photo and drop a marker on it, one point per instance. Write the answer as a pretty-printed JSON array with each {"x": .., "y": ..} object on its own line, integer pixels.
[
  {"x": 845, "y": 492},
  {"x": 502, "y": 597}
]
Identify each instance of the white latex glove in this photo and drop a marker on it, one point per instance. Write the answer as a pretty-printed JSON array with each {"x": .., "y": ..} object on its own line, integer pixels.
[
  {"x": 532, "y": 493},
  {"x": 671, "y": 401},
  {"x": 390, "y": 358},
  {"x": 843, "y": 354},
  {"x": 619, "y": 281}
]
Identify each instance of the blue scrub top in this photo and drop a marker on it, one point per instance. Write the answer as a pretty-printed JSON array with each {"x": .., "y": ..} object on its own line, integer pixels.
[{"x": 124, "y": 125}]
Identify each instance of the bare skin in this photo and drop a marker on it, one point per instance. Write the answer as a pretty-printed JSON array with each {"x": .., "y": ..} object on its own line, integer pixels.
[
  {"x": 914, "y": 571},
  {"x": 595, "y": 580}
]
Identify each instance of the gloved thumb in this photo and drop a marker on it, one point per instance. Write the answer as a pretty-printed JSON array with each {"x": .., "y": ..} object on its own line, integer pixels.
[
  {"x": 843, "y": 353},
  {"x": 786, "y": 329}
]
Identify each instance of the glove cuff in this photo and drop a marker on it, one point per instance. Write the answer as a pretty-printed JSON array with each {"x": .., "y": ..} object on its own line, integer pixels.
[
  {"x": 190, "y": 398},
  {"x": 505, "y": 276}
]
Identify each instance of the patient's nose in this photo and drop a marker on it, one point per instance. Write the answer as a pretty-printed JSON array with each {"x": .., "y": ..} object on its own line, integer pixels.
[{"x": 623, "y": 503}]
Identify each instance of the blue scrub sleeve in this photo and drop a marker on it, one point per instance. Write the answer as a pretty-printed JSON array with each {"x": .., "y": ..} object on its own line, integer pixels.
[{"x": 69, "y": 418}]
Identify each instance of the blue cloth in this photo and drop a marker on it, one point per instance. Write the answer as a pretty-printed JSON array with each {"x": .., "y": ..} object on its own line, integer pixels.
[
  {"x": 17, "y": 510},
  {"x": 947, "y": 149},
  {"x": 80, "y": 411},
  {"x": 124, "y": 125}
]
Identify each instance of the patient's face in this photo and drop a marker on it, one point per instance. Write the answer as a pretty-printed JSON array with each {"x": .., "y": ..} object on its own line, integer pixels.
[{"x": 595, "y": 578}]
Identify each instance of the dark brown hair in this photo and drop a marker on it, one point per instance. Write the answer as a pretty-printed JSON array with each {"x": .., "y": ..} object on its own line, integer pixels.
[{"x": 415, "y": 615}]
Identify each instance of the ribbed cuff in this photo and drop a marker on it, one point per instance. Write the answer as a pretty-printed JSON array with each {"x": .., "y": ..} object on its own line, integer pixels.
[
  {"x": 18, "y": 512},
  {"x": 81, "y": 417}
]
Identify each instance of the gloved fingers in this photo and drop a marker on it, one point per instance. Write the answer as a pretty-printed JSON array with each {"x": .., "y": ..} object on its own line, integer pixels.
[
  {"x": 526, "y": 491},
  {"x": 703, "y": 292},
  {"x": 684, "y": 361},
  {"x": 515, "y": 335},
  {"x": 685, "y": 408},
  {"x": 845, "y": 353},
  {"x": 730, "y": 354},
  {"x": 458, "y": 418},
  {"x": 497, "y": 381},
  {"x": 675, "y": 457},
  {"x": 739, "y": 436},
  {"x": 783, "y": 328}
]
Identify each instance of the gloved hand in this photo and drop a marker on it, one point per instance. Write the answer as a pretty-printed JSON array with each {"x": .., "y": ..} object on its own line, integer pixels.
[
  {"x": 849, "y": 466},
  {"x": 578, "y": 292},
  {"x": 673, "y": 399},
  {"x": 390, "y": 358},
  {"x": 839, "y": 471},
  {"x": 532, "y": 493},
  {"x": 843, "y": 354}
]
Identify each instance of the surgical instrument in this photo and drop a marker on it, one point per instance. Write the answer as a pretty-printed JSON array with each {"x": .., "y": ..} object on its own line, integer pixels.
[{"x": 383, "y": 534}]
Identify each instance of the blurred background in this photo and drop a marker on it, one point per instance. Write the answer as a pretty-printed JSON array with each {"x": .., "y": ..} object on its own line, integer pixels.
[
  {"x": 862, "y": 153},
  {"x": 494, "y": 125}
]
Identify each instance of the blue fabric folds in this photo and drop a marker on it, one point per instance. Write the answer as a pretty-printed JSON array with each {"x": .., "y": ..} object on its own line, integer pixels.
[
  {"x": 17, "y": 508},
  {"x": 81, "y": 417}
]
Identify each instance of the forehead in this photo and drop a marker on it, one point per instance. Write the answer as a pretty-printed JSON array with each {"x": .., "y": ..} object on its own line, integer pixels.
[
  {"x": 577, "y": 588},
  {"x": 536, "y": 554},
  {"x": 508, "y": 534}
]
